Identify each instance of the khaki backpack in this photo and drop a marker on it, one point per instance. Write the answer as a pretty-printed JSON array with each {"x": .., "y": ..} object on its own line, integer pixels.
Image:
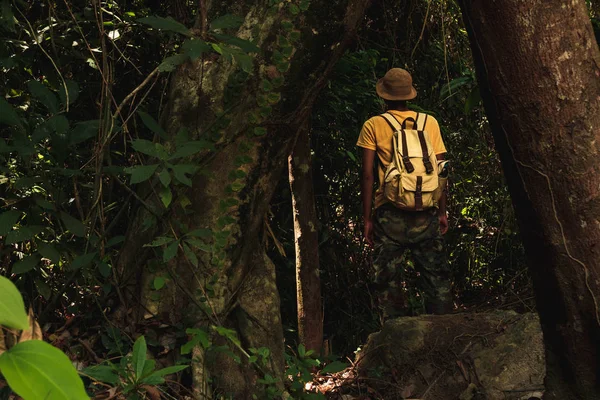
[{"x": 412, "y": 179}]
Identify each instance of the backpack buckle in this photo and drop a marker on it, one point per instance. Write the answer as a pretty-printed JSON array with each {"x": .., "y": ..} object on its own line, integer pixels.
[
  {"x": 428, "y": 166},
  {"x": 407, "y": 164}
]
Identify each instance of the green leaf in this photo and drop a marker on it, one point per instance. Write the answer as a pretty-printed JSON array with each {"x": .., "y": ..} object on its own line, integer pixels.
[
  {"x": 181, "y": 171},
  {"x": 145, "y": 146},
  {"x": 115, "y": 240},
  {"x": 195, "y": 47},
  {"x": 44, "y": 95},
  {"x": 72, "y": 89},
  {"x": 12, "y": 308},
  {"x": 48, "y": 251},
  {"x": 166, "y": 196},
  {"x": 36, "y": 370},
  {"x": 22, "y": 234},
  {"x": 454, "y": 85},
  {"x": 83, "y": 260},
  {"x": 103, "y": 268},
  {"x": 74, "y": 226},
  {"x": 170, "y": 63},
  {"x": 43, "y": 288},
  {"x": 8, "y": 219},
  {"x": 351, "y": 155},
  {"x": 170, "y": 251},
  {"x": 156, "y": 378},
  {"x": 8, "y": 116},
  {"x": 59, "y": 124},
  {"x": 244, "y": 45},
  {"x": 201, "y": 233},
  {"x": 294, "y": 9},
  {"x": 192, "y": 147},
  {"x": 199, "y": 336},
  {"x": 334, "y": 367},
  {"x": 83, "y": 131},
  {"x": 141, "y": 173},
  {"x": 164, "y": 177},
  {"x": 190, "y": 255},
  {"x": 26, "y": 264},
  {"x": 159, "y": 241},
  {"x": 227, "y": 21},
  {"x": 152, "y": 124},
  {"x": 165, "y": 24},
  {"x": 244, "y": 61},
  {"x": 138, "y": 358},
  {"x": 102, "y": 373},
  {"x": 158, "y": 283},
  {"x": 473, "y": 100}
]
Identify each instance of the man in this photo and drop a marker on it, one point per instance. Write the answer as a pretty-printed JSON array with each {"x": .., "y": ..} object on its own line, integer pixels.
[{"x": 393, "y": 231}]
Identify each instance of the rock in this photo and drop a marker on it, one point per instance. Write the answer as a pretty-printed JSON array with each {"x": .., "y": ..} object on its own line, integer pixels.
[{"x": 497, "y": 355}]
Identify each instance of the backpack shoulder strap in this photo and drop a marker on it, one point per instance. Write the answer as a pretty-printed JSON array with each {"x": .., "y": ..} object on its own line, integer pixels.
[
  {"x": 421, "y": 134},
  {"x": 399, "y": 134}
]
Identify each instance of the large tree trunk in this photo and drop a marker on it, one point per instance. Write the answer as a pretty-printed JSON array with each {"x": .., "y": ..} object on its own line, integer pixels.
[
  {"x": 233, "y": 284},
  {"x": 306, "y": 235},
  {"x": 539, "y": 66}
]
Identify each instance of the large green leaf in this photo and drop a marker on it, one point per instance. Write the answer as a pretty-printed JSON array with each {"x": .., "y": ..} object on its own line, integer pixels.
[
  {"x": 12, "y": 308},
  {"x": 36, "y": 370},
  {"x": 8, "y": 115},
  {"x": 8, "y": 220},
  {"x": 138, "y": 358},
  {"x": 44, "y": 95},
  {"x": 83, "y": 260},
  {"x": 165, "y": 24},
  {"x": 48, "y": 251},
  {"x": 195, "y": 47}
]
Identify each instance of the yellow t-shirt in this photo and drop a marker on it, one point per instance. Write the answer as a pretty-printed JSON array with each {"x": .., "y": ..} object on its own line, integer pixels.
[{"x": 376, "y": 134}]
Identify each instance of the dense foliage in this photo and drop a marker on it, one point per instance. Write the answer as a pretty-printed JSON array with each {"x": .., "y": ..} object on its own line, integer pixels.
[{"x": 83, "y": 94}]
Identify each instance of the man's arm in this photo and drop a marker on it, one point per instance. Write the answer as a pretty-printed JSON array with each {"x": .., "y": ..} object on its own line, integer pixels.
[
  {"x": 442, "y": 203},
  {"x": 367, "y": 192}
]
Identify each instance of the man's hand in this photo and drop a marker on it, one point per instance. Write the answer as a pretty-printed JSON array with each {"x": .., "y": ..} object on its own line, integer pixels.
[
  {"x": 443, "y": 223},
  {"x": 369, "y": 231}
]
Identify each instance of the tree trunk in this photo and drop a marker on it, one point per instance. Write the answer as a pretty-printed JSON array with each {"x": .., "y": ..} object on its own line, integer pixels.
[
  {"x": 538, "y": 66},
  {"x": 308, "y": 283},
  {"x": 233, "y": 283}
]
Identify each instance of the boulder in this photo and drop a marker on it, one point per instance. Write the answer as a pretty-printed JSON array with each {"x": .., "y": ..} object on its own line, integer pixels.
[{"x": 496, "y": 355}]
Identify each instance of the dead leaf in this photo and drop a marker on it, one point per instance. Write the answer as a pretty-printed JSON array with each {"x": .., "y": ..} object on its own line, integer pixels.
[
  {"x": 152, "y": 392},
  {"x": 2, "y": 342},
  {"x": 34, "y": 332}
]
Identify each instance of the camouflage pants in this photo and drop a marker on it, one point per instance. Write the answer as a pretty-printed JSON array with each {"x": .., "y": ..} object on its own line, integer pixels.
[{"x": 395, "y": 232}]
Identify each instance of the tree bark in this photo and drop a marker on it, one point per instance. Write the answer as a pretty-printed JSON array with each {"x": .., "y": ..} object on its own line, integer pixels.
[
  {"x": 538, "y": 66},
  {"x": 233, "y": 285},
  {"x": 306, "y": 235}
]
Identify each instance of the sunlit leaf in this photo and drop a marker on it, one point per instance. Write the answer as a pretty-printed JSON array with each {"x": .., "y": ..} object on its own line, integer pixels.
[
  {"x": 333, "y": 367},
  {"x": 12, "y": 308},
  {"x": 36, "y": 370}
]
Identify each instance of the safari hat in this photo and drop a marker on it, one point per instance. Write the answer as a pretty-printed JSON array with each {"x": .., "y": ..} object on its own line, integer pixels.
[{"x": 396, "y": 84}]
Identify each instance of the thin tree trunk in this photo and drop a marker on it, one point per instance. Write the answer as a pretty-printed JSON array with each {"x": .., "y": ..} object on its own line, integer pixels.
[
  {"x": 539, "y": 66},
  {"x": 306, "y": 235}
]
